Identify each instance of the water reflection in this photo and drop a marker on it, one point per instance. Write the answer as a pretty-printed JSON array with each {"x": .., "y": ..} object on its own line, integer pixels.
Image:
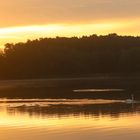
[
  {"x": 114, "y": 109},
  {"x": 69, "y": 119}
]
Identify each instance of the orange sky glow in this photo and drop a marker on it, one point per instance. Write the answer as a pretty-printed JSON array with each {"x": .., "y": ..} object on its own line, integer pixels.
[{"x": 31, "y": 19}]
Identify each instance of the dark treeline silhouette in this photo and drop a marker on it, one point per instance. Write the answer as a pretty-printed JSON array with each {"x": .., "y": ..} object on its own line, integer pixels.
[{"x": 63, "y": 57}]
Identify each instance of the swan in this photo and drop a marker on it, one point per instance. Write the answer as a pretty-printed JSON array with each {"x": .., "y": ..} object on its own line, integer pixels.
[{"x": 130, "y": 100}]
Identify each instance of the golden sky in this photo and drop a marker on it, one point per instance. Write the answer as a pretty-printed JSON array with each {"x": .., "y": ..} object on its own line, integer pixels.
[{"x": 28, "y": 19}]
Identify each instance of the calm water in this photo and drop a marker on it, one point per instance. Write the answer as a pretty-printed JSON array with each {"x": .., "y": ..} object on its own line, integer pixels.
[{"x": 65, "y": 119}]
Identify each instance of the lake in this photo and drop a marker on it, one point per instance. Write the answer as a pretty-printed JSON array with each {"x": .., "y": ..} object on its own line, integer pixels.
[{"x": 68, "y": 119}]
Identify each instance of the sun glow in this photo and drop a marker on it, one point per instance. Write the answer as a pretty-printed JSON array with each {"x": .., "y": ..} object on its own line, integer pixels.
[{"x": 22, "y": 33}]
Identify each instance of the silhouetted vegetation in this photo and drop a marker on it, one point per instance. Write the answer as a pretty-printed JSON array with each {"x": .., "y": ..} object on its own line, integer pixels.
[{"x": 70, "y": 57}]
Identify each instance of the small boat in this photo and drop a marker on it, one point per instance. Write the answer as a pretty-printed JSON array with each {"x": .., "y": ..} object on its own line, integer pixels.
[{"x": 129, "y": 101}]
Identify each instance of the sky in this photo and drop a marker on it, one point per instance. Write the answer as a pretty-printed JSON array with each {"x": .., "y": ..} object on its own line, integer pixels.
[{"x": 29, "y": 19}]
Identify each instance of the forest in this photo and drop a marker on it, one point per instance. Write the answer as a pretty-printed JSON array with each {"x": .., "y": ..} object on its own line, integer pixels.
[{"x": 71, "y": 57}]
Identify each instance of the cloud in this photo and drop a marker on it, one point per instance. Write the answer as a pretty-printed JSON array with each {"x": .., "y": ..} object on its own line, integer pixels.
[{"x": 28, "y": 12}]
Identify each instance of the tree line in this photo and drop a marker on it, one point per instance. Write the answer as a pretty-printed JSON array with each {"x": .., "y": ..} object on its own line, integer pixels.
[{"x": 64, "y": 57}]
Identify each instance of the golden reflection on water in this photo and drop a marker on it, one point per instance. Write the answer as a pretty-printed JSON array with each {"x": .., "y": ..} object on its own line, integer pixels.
[{"x": 21, "y": 122}]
